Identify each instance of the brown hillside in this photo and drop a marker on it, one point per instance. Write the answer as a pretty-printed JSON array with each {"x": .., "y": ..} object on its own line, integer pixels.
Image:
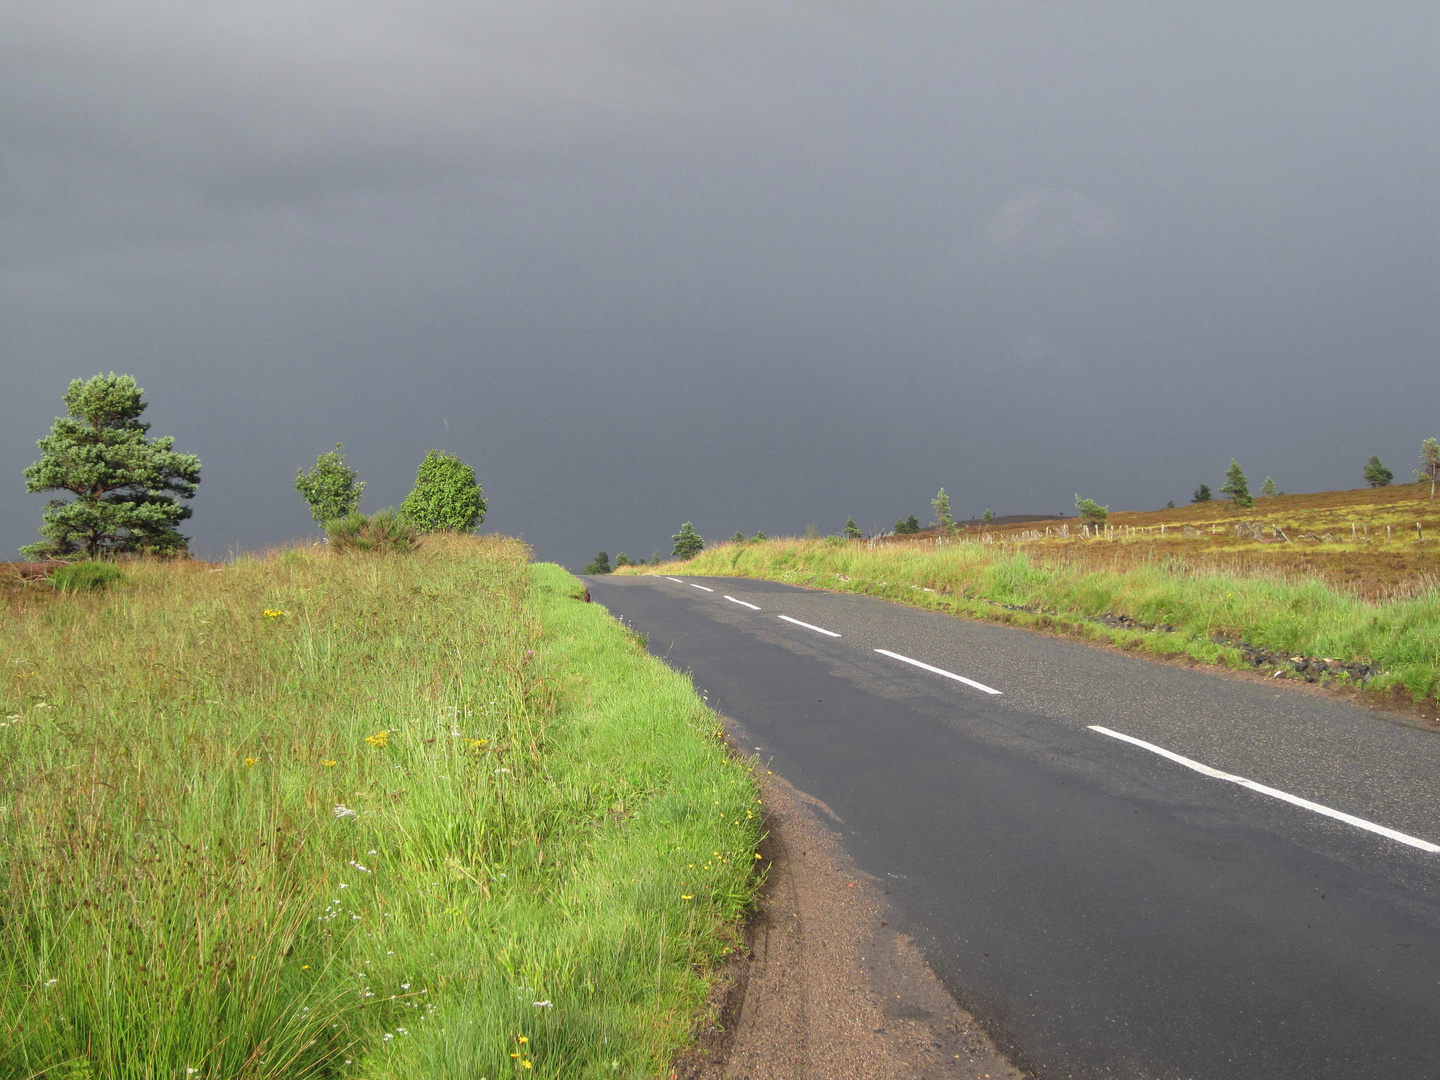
[{"x": 1364, "y": 538}]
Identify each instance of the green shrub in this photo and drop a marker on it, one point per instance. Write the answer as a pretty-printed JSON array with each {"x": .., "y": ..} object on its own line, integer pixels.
[
  {"x": 446, "y": 497},
  {"x": 384, "y": 530},
  {"x": 1091, "y": 511},
  {"x": 85, "y": 576},
  {"x": 331, "y": 488}
]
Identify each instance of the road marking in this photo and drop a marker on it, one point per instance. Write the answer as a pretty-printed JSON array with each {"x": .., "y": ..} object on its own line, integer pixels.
[
  {"x": 742, "y": 603},
  {"x": 676, "y": 580},
  {"x": 939, "y": 671},
  {"x": 807, "y": 626},
  {"x": 1274, "y": 793},
  {"x": 705, "y": 587}
]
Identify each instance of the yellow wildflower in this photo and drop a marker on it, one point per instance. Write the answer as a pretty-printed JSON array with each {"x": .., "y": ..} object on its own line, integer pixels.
[
  {"x": 274, "y": 613},
  {"x": 329, "y": 763},
  {"x": 378, "y": 740},
  {"x": 250, "y": 761}
]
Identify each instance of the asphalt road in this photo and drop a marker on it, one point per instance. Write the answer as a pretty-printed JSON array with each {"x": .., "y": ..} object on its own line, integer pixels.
[{"x": 1105, "y": 910}]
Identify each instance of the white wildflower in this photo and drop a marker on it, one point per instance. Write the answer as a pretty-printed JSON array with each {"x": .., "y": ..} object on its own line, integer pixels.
[{"x": 341, "y": 811}]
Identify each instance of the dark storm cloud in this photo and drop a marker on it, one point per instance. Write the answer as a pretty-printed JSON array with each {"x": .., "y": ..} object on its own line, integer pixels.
[{"x": 749, "y": 265}]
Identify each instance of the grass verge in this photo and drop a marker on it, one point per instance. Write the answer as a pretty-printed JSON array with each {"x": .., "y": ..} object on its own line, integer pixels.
[
  {"x": 371, "y": 816},
  {"x": 1400, "y": 636}
]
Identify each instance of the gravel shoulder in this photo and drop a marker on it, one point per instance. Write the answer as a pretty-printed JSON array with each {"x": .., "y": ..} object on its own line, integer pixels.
[{"x": 831, "y": 988}]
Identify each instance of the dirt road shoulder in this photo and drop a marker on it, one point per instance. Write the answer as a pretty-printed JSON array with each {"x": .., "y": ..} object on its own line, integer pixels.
[{"x": 830, "y": 988}]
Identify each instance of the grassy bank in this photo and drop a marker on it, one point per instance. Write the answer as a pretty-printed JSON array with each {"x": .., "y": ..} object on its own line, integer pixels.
[
  {"x": 1290, "y": 614},
  {"x": 391, "y": 816}
]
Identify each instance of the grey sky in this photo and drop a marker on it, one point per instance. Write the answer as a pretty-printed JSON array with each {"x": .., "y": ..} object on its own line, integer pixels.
[{"x": 748, "y": 265}]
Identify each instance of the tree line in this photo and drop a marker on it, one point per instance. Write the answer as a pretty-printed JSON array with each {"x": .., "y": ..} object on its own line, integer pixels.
[{"x": 128, "y": 487}]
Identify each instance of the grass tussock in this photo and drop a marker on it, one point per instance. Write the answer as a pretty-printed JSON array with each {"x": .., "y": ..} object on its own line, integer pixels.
[
  {"x": 1399, "y": 635},
  {"x": 374, "y": 816}
]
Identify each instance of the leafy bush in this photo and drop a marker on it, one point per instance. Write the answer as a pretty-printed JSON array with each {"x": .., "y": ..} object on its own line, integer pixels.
[
  {"x": 385, "y": 530},
  {"x": 331, "y": 488},
  {"x": 85, "y": 576},
  {"x": 446, "y": 496},
  {"x": 1092, "y": 511},
  {"x": 601, "y": 564}
]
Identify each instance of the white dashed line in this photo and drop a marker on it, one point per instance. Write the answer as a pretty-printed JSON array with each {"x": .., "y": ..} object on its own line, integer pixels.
[
  {"x": 939, "y": 671},
  {"x": 807, "y": 626},
  {"x": 1274, "y": 793},
  {"x": 705, "y": 587},
  {"x": 676, "y": 580},
  {"x": 742, "y": 603}
]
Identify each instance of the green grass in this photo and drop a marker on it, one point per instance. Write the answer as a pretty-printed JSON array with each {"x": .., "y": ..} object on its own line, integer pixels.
[
  {"x": 314, "y": 816},
  {"x": 1400, "y": 635}
]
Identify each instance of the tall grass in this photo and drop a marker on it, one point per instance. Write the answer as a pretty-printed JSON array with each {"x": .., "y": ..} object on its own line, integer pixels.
[
  {"x": 1400, "y": 635},
  {"x": 367, "y": 815}
]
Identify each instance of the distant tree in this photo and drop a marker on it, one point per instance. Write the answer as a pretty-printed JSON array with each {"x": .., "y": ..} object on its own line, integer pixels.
[
  {"x": 1268, "y": 489},
  {"x": 600, "y": 564},
  {"x": 852, "y": 531},
  {"x": 1235, "y": 485},
  {"x": 1170, "y": 505},
  {"x": 655, "y": 558},
  {"x": 1429, "y": 464},
  {"x": 622, "y": 559},
  {"x": 738, "y": 538},
  {"x": 331, "y": 488},
  {"x": 1091, "y": 511},
  {"x": 446, "y": 496},
  {"x": 125, "y": 484},
  {"x": 1376, "y": 475},
  {"x": 944, "y": 521},
  {"x": 988, "y": 516},
  {"x": 912, "y": 524},
  {"x": 1202, "y": 494},
  {"x": 760, "y": 536},
  {"x": 900, "y": 526},
  {"x": 688, "y": 543}
]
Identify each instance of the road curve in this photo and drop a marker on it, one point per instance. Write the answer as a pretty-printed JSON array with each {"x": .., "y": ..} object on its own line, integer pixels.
[{"x": 1124, "y": 869}]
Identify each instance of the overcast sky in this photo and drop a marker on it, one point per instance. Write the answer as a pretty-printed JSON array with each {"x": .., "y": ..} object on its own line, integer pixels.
[{"x": 746, "y": 265}]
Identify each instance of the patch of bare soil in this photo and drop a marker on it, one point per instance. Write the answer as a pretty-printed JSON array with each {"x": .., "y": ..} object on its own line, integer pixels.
[{"x": 830, "y": 990}]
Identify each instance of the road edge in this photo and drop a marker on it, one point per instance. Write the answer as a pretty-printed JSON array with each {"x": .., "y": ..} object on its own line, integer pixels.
[{"x": 829, "y": 984}]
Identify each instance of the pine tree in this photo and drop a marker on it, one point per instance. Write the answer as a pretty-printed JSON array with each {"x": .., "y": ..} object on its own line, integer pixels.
[
  {"x": 1268, "y": 489},
  {"x": 1235, "y": 485},
  {"x": 988, "y": 516},
  {"x": 125, "y": 484},
  {"x": 688, "y": 543},
  {"x": 900, "y": 529},
  {"x": 621, "y": 559},
  {"x": 852, "y": 531},
  {"x": 738, "y": 538},
  {"x": 1202, "y": 494},
  {"x": 1430, "y": 464},
  {"x": 1376, "y": 475},
  {"x": 943, "y": 519},
  {"x": 912, "y": 524},
  {"x": 446, "y": 496},
  {"x": 760, "y": 536},
  {"x": 600, "y": 564},
  {"x": 332, "y": 490}
]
